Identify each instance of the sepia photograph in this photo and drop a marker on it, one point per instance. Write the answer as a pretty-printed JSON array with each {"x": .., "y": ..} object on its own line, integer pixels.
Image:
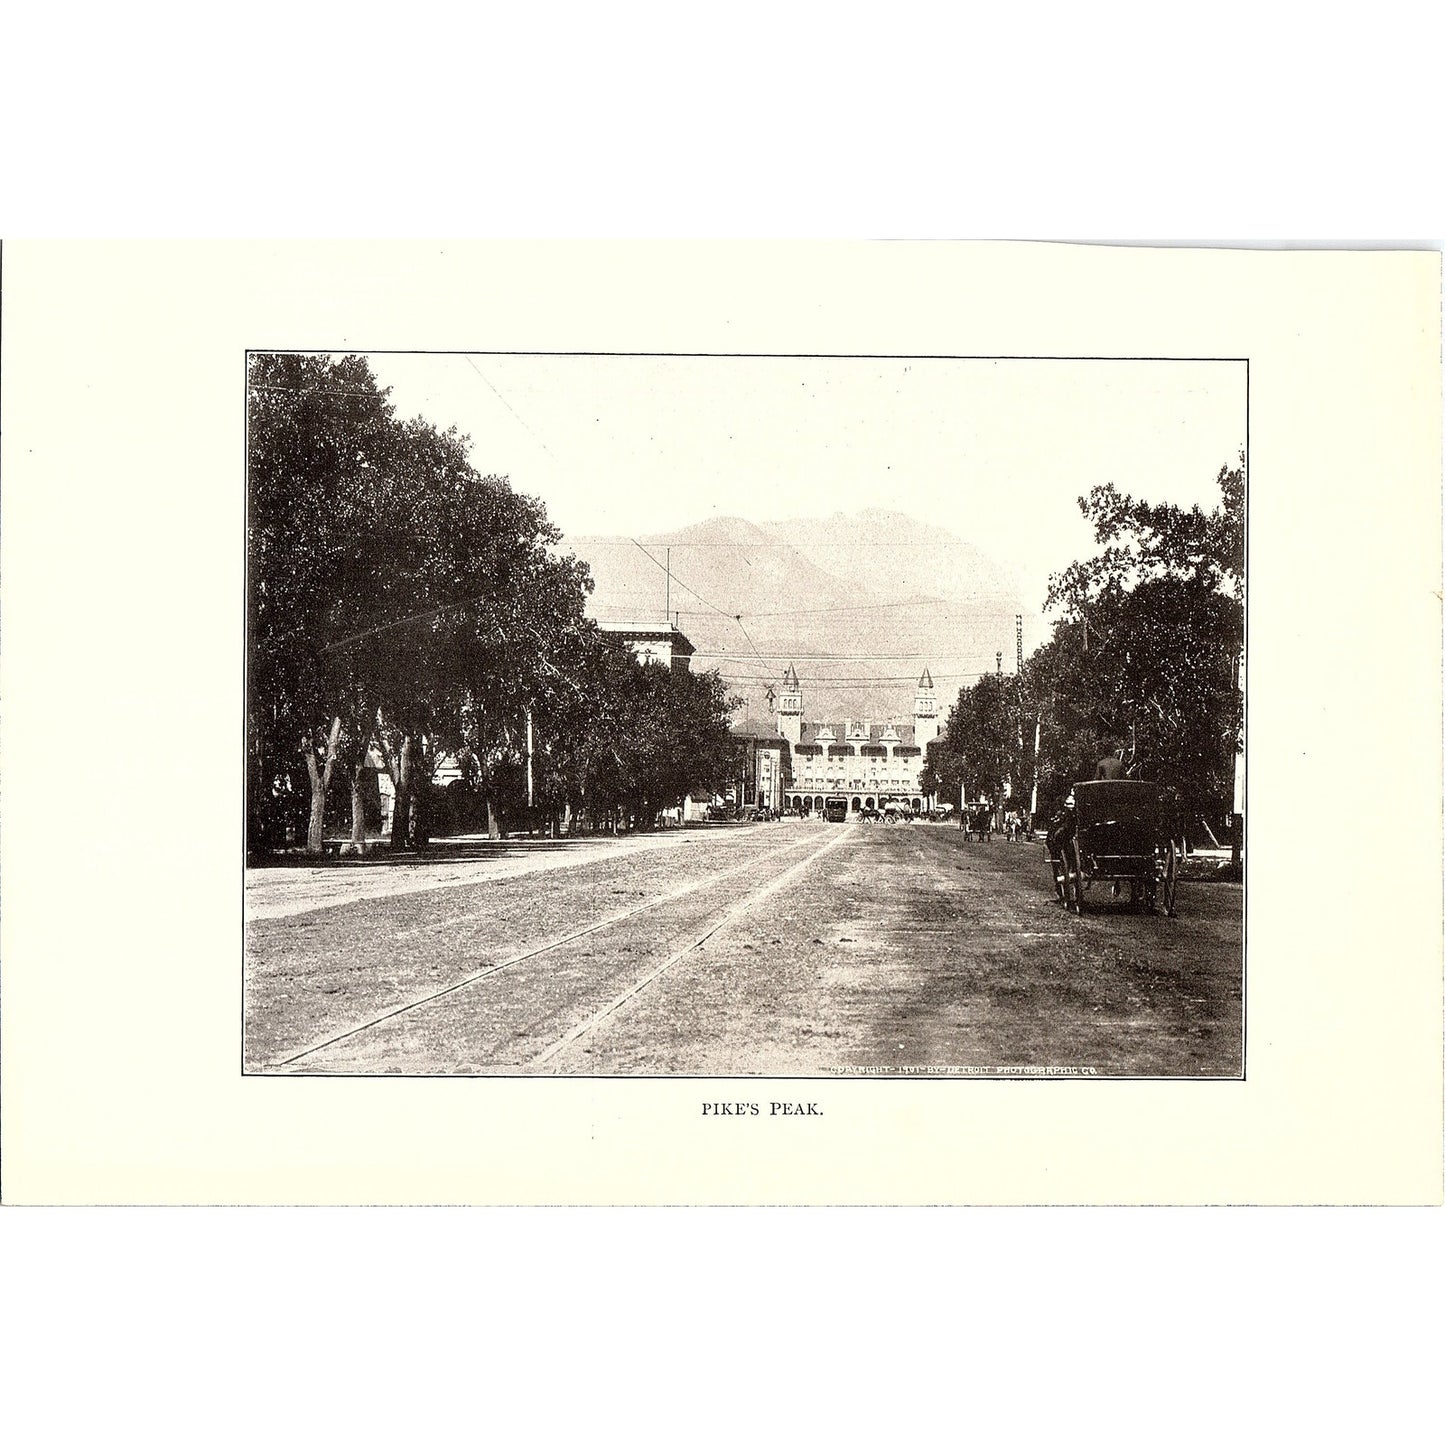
[{"x": 745, "y": 716}]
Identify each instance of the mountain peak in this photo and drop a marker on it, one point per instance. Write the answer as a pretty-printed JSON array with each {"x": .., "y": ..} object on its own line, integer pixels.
[
  {"x": 861, "y": 602},
  {"x": 731, "y": 531}
]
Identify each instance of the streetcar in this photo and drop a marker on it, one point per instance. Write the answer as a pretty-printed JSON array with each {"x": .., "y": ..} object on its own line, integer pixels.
[{"x": 835, "y": 810}]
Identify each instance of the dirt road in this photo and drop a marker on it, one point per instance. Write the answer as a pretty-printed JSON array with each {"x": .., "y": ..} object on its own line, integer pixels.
[{"x": 787, "y": 949}]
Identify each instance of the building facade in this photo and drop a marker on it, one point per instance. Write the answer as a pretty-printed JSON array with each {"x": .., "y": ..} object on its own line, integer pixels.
[
  {"x": 653, "y": 642},
  {"x": 759, "y": 766},
  {"x": 871, "y": 764}
]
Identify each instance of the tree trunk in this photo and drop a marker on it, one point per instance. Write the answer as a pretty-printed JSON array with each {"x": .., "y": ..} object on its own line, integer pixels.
[
  {"x": 494, "y": 821},
  {"x": 320, "y": 782},
  {"x": 357, "y": 842},
  {"x": 401, "y": 812}
]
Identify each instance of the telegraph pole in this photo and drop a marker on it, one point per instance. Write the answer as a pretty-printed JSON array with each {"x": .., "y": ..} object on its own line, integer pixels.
[
  {"x": 1019, "y": 687},
  {"x": 667, "y": 610},
  {"x": 531, "y": 796},
  {"x": 997, "y": 760},
  {"x": 1034, "y": 799}
]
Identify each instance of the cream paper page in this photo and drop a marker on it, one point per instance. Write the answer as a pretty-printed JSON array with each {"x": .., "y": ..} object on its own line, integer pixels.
[{"x": 123, "y": 732}]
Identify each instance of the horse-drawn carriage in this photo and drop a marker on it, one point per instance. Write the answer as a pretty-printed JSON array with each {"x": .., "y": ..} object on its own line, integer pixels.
[
  {"x": 1121, "y": 832},
  {"x": 978, "y": 822}
]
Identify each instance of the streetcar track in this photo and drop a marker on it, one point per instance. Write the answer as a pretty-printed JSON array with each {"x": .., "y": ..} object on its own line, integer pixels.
[
  {"x": 501, "y": 866},
  {"x": 730, "y": 916},
  {"x": 490, "y": 971},
  {"x": 481, "y": 914}
]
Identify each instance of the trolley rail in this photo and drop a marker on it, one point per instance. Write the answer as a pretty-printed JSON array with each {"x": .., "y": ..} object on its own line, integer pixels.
[{"x": 716, "y": 920}]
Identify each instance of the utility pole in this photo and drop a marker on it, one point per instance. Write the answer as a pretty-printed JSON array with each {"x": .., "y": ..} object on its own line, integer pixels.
[
  {"x": 1034, "y": 800},
  {"x": 1019, "y": 640},
  {"x": 667, "y": 610},
  {"x": 529, "y": 758},
  {"x": 997, "y": 784}
]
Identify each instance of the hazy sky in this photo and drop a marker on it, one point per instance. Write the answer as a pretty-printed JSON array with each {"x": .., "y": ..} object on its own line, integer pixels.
[{"x": 995, "y": 451}]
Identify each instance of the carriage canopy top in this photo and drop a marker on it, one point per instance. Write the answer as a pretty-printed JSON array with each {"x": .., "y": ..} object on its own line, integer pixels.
[{"x": 1120, "y": 815}]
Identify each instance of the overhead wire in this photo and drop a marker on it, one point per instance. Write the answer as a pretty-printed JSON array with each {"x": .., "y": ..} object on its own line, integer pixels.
[
  {"x": 822, "y": 656},
  {"x": 801, "y": 546},
  {"x": 712, "y": 606},
  {"x": 751, "y": 643},
  {"x": 510, "y": 408},
  {"x": 860, "y": 682},
  {"x": 313, "y": 390},
  {"x": 939, "y": 603}
]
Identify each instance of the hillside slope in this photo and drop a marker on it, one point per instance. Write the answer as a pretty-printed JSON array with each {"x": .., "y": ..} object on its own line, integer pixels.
[{"x": 861, "y": 604}]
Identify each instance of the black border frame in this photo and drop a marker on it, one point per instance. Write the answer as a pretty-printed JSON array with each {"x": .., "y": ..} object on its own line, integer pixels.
[{"x": 585, "y": 1079}]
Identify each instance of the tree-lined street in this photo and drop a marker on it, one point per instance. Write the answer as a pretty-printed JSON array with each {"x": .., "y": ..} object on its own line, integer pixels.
[
  {"x": 789, "y": 949},
  {"x": 405, "y": 608},
  {"x": 423, "y": 667}
]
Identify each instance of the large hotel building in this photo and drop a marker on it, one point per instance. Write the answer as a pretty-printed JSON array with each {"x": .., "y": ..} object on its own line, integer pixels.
[
  {"x": 798, "y": 765},
  {"x": 790, "y": 763}
]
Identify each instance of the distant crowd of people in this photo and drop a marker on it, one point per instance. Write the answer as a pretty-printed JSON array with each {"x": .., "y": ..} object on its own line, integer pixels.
[{"x": 983, "y": 820}]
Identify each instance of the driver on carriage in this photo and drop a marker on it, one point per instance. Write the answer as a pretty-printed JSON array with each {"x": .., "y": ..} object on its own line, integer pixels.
[
  {"x": 1111, "y": 765},
  {"x": 1061, "y": 826}
]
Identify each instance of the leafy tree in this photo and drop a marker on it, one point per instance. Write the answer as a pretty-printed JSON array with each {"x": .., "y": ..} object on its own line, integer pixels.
[
  {"x": 589, "y": 727},
  {"x": 930, "y": 781},
  {"x": 400, "y": 600},
  {"x": 396, "y": 596},
  {"x": 1145, "y": 651},
  {"x": 680, "y": 737},
  {"x": 983, "y": 743},
  {"x": 1143, "y": 541},
  {"x": 319, "y": 440},
  {"x": 522, "y": 649}
]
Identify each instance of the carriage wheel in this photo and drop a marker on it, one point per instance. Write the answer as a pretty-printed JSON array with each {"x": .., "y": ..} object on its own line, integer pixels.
[
  {"x": 1170, "y": 881},
  {"x": 1076, "y": 872}
]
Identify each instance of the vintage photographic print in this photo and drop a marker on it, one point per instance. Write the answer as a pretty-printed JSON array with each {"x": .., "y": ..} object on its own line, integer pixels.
[{"x": 727, "y": 716}]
